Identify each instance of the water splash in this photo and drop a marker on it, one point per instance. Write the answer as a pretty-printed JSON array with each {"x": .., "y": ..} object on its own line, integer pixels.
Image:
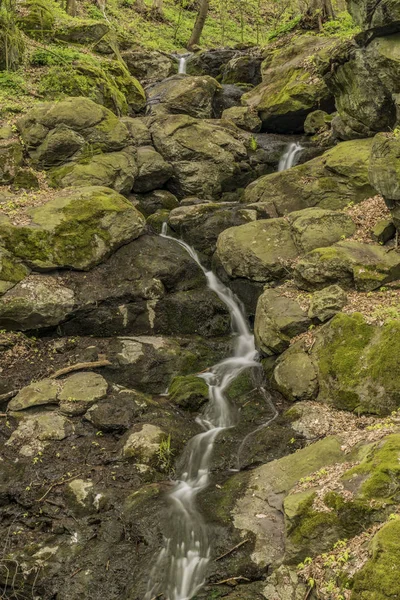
[
  {"x": 180, "y": 570},
  {"x": 290, "y": 157}
]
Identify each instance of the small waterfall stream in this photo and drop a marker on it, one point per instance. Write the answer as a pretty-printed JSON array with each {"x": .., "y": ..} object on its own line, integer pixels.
[
  {"x": 180, "y": 569},
  {"x": 182, "y": 62},
  {"x": 290, "y": 156}
]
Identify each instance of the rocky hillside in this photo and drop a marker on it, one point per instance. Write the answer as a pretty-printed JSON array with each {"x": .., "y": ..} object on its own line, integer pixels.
[{"x": 279, "y": 165}]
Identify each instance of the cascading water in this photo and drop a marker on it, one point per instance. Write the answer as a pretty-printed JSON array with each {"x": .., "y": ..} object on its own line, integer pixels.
[
  {"x": 182, "y": 63},
  {"x": 290, "y": 156},
  {"x": 180, "y": 569}
]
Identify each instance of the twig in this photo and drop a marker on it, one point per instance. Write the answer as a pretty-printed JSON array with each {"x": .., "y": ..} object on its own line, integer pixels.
[
  {"x": 75, "y": 572},
  {"x": 4, "y": 415},
  {"x": 240, "y": 578},
  {"x": 308, "y": 592},
  {"x": 80, "y": 367},
  {"x": 155, "y": 597},
  {"x": 232, "y": 549},
  {"x": 56, "y": 484}
]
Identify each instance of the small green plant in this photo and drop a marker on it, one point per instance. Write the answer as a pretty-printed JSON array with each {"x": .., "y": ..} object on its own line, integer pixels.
[
  {"x": 253, "y": 145},
  {"x": 165, "y": 455}
]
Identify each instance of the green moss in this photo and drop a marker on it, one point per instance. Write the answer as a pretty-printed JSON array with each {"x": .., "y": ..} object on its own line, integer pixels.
[
  {"x": 379, "y": 578},
  {"x": 189, "y": 392},
  {"x": 381, "y": 469},
  {"x": 340, "y": 356}
]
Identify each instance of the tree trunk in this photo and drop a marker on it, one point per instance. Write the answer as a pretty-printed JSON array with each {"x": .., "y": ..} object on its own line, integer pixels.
[
  {"x": 71, "y": 8},
  {"x": 157, "y": 9},
  {"x": 199, "y": 24},
  {"x": 316, "y": 13}
]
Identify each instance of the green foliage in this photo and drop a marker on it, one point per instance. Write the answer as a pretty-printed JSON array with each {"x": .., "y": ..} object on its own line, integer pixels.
[
  {"x": 284, "y": 28},
  {"x": 54, "y": 56},
  {"x": 342, "y": 26},
  {"x": 165, "y": 455},
  {"x": 11, "y": 41}
]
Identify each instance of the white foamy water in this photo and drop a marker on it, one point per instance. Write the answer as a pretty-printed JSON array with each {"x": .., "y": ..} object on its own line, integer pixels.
[
  {"x": 290, "y": 157},
  {"x": 182, "y": 64},
  {"x": 180, "y": 570}
]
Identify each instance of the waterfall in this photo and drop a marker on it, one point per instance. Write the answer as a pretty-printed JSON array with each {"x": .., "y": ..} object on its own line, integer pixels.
[
  {"x": 182, "y": 64},
  {"x": 290, "y": 156},
  {"x": 180, "y": 570}
]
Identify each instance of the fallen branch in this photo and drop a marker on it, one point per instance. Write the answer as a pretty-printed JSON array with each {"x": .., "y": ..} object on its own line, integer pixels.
[
  {"x": 308, "y": 592},
  {"x": 232, "y": 550},
  {"x": 80, "y": 367},
  {"x": 56, "y": 484},
  {"x": 232, "y": 579},
  {"x": 75, "y": 572}
]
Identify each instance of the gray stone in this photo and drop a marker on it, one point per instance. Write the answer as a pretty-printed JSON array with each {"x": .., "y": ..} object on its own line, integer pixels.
[{"x": 326, "y": 303}]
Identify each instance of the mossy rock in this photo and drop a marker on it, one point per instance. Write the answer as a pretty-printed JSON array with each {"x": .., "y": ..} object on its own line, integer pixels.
[
  {"x": 316, "y": 122},
  {"x": 369, "y": 15},
  {"x": 116, "y": 170},
  {"x": 357, "y": 364},
  {"x": 77, "y": 229},
  {"x": 243, "y": 69},
  {"x": 153, "y": 170},
  {"x": 291, "y": 86},
  {"x": 112, "y": 86},
  {"x": 378, "y": 474},
  {"x": 330, "y": 181},
  {"x": 384, "y": 171},
  {"x": 148, "y": 64},
  {"x": 11, "y": 158},
  {"x": 82, "y": 32},
  {"x": 243, "y": 117},
  {"x": 186, "y": 95},
  {"x": 206, "y": 155},
  {"x": 378, "y": 579},
  {"x": 188, "y": 392},
  {"x": 349, "y": 264},
  {"x": 318, "y": 227},
  {"x": 326, "y": 303},
  {"x": 11, "y": 271},
  {"x": 295, "y": 376},
  {"x": 257, "y": 251},
  {"x": 278, "y": 319},
  {"x": 73, "y": 124}
]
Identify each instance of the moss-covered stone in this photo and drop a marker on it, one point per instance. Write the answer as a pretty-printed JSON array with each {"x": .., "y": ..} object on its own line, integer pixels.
[
  {"x": 318, "y": 228},
  {"x": 326, "y": 303},
  {"x": 243, "y": 69},
  {"x": 257, "y": 251},
  {"x": 350, "y": 264},
  {"x": 357, "y": 364},
  {"x": 244, "y": 117},
  {"x": 291, "y": 86},
  {"x": 378, "y": 579},
  {"x": 78, "y": 229},
  {"x": 295, "y": 376},
  {"x": 111, "y": 86},
  {"x": 148, "y": 64},
  {"x": 81, "y": 31},
  {"x": 11, "y": 158},
  {"x": 116, "y": 170},
  {"x": 330, "y": 181},
  {"x": 37, "y": 20},
  {"x": 189, "y": 392},
  {"x": 153, "y": 170},
  {"x": 186, "y": 95},
  {"x": 11, "y": 271},
  {"x": 278, "y": 319},
  {"x": 316, "y": 122},
  {"x": 89, "y": 122},
  {"x": 206, "y": 155}
]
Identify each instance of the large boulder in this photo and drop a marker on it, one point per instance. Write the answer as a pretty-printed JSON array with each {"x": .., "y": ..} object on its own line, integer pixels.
[
  {"x": 244, "y": 117},
  {"x": 153, "y": 170},
  {"x": 364, "y": 81},
  {"x": 259, "y": 251},
  {"x": 295, "y": 376},
  {"x": 291, "y": 87},
  {"x": 364, "y": 267},
  {"x": 77, "y": 229},
  {"x": 379, "y": 16},
  {"x": 82, "y": 32},
  {"x": 264, "y": 250},
  {"x": 116, "y": 170},
  {"x": 185, "y": 95},
  {"x": 384, "y": 171},
  {"x": 331, "y": 181},
  {"x": 148, "y": 65},
  {"x": 357, "y": 364},
  {"x": 148, "y": 287},
  {"x": 109, "y": 84},
  {"x": 206, "y": 156},
  {"x": 54, "y": 132},
  {"x": 210, "y": 62},
  {"x": 11, "y": 270},
  {"x": 278, "y": 319},
  {"x": 243, "y": 69}
]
